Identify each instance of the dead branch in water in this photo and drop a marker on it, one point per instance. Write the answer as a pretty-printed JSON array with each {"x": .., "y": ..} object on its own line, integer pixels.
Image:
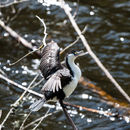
[{"x": 108, "y": 99}]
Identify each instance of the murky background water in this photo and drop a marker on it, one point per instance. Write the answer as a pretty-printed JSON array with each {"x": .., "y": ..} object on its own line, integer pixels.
[{"x": 108, "y": 34}]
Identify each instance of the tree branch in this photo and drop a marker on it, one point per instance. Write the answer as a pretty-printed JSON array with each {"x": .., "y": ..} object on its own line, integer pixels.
[
  {"x": 20, "y": 86},
  {"x": 67, "y": 115},
  {"x": 11, "y": 3},
  {"x": 17, "y": 102},
  {"x": 85, "y": 43}
]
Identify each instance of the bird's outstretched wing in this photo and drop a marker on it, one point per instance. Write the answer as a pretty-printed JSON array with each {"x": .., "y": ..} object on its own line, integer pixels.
[
  {"x": 50, "y": 62},
  {"x": 53, "y": 84},
  {"x": 57, "y": 81}
]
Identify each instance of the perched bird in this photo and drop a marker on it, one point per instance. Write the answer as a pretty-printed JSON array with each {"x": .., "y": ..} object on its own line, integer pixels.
[{"x": 61, "y": 81}]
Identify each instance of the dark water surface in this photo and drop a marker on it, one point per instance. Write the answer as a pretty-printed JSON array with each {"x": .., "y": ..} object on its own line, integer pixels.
[{"x": 108, "y": 34}]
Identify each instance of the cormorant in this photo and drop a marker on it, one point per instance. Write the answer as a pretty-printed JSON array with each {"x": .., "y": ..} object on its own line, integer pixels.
[{"x": 61, "y": 81}]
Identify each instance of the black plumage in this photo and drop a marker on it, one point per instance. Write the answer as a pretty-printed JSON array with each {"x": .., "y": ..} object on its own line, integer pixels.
[
  {"x": 50, "y": 62},
  {"x": 57, "y": 75}
]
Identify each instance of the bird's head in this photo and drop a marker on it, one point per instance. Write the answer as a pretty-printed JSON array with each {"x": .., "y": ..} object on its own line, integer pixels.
[{"x": 74, "y": 54}]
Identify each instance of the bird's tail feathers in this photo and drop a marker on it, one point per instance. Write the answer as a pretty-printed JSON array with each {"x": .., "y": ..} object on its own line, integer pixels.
[{"x": 37, "y": 105}]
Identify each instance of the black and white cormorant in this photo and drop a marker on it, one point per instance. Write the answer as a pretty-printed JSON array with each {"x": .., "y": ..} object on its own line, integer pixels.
[{"x": 61, "y": 81}]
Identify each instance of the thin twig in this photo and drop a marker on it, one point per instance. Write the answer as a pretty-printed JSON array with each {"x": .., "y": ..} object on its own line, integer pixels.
[
  {"x": 32, "y": 88},
  {"x": 77, "y": 9},
  {"x": 41, "y": 119},
  {"x": 21, "y": 127},
  {"x": 10, "y": 111},
  {"x": 71, "y": 44},
  {"x": 11, "y": 64},
  {"x": 20, "y": 86},
  {"x": 45, "y": 34},
  {"x": 17, "y": 102},
  {"x": 85, "y": 43},
  {"x": 11, "y": 3},
  {"x": 90, "y": 109},
  {"x": 67, "y": 115},
  {"x": 44, "y": 43}
]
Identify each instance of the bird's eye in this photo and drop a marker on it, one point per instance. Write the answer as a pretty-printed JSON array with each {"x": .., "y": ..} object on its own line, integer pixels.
[{"x": 73, "y": 52}]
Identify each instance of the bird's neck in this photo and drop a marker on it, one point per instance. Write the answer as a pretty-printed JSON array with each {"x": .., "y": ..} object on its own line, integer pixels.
[{"x": 74, "y": 69}]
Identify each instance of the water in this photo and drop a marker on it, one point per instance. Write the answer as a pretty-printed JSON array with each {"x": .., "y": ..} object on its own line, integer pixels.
[{"x": 108, "y": 34}]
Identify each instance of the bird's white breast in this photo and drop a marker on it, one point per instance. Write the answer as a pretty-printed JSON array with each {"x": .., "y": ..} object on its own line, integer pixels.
[
  {"x": 70, "y": 87},
  {"x": 73, "y": 84}
]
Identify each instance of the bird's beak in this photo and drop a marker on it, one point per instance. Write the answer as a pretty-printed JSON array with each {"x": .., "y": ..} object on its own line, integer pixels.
[{"x": 80, "y": 53}]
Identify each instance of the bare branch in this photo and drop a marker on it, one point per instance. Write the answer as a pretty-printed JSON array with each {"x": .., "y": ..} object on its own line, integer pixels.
[
  {"x": 41, "y": 119},
  {"x": 17, "y": 102},
  {"x": 11, "y": 3},
  {"x": 45, "y": 34},
  {"x": 85, "y": 43},
  {"x": 73, "y": 43},
  {"x": 20, "y": 86},
  {"x": 40, "y": 95},
  {"x": 2, "y": 72},
  {"x": 67, "y": 115},
  {"x": 21, "y": 127},
  {"x": 89, "y": 109}
]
